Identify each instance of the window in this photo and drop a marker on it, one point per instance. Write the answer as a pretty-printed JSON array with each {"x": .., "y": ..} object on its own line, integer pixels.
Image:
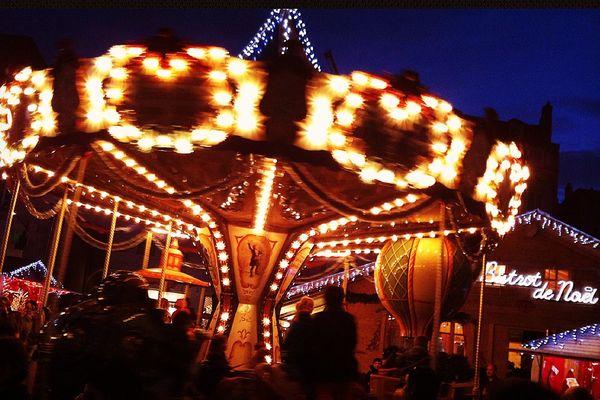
[
  {"x": 453, "y": 339},
  {"x": 553, "y": 276}
]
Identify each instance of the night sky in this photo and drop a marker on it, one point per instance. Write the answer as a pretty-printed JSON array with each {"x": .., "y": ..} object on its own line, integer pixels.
[{"x": 511, "y": 60}]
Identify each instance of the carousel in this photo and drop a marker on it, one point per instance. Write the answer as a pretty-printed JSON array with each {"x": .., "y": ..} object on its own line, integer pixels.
[{"x": 265, "y": 163}]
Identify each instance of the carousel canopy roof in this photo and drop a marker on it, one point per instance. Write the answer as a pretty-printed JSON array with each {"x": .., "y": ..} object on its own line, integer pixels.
[{"x": 187, "y": 136}]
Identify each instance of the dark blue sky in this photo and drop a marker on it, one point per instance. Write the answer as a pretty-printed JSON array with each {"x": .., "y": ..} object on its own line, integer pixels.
[{"x": 511, "y": 60}]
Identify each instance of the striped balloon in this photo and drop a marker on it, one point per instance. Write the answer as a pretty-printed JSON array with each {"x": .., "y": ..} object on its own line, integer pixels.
[{"x": 405, "y": 281}]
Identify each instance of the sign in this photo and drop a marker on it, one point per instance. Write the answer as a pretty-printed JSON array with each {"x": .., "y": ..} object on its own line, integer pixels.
[{"x": 495, "y": 274}]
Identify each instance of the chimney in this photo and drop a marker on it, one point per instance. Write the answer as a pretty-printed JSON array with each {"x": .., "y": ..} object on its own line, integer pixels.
[{"x": 546, "y": 120}]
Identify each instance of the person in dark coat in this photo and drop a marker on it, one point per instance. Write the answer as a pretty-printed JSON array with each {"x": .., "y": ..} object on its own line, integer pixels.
[
  {"x": 335, "y": 369},
  {"x": 295, "y": 350}
]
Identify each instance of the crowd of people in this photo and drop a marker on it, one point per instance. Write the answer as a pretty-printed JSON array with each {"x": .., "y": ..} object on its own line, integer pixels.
[{"x": 118, "y": 344}]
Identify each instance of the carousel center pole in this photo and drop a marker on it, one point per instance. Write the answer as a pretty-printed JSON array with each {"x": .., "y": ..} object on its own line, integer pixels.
[
  {"x": 163, "y": 263},
  {"x": 147, "y": 249},
  {"x": 54, "y": 248},
  {"x": 437, "y": 308},
  {"x": 111, "y": 236},
  {"x": 7, "y": 226},
  {"x": 476, "y": 380}
]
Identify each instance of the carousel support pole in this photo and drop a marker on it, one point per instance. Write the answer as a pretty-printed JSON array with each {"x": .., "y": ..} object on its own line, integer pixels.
[
  {"x": 437, "y": 310},
  {"x": 200, "y": 306},
  {"x": 186, "y": 291},
  {"x": 163, "y": 263},
  {"x": 147, "y": 249},
  {"x": 70, "y": 229},
  {"x": 476, "y": 380},
  {"x": 346, "y": 275},
  {"x": 54, "y": 248},
  {"x": 111, "y": 237},
  {"x": 7, "y": 226}
]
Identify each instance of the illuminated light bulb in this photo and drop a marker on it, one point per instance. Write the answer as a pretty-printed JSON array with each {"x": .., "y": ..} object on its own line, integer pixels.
[
  {"x": 284, "y": 264},
  {"x": 420, "y": 179},
  {"x": 354, "y": 100},
  {"x": 445, "y": 106},
  {"x": 278, "y": 275},
  {"x": 217, "y": 53},
  {"x": 215, "y": 136},
  {"x": 274, "y": 287},
  {"x": 341, "y": 156},
  {"x": 91, "y": 85},
  {"x": 454, "y": 123},
  {"x": 378, "y": 83},
  {"x": 151, "y": 63},
  {"x": 118, "y": 73},
  {"x": 525, "y": 173},
  {"x": 431, "y": 102},
  {"x": 411, "y": 198},
  {"x": 224, "y": 316},
  {"x": 163, "y": 73},
  {"x": 37, "y": 78},
  {"x": 196, "y": 52},
  {"x": 183, "y": 146},
  {"x": 375, "y": 210},
  {"x": 339, "y": 84},
  {"x": 118, "y": 52},
  {"x": 223, "y": 256},
  {"x": 344, "y": 117},
  {"x": 160, "y": 184},
  {"x": 413, "y": 108},
  {"x": 107, "y": 146},
  {"x": 385, "y": 175},
  {"x": 436, "y": 166},
  {"x": 111, "y": 115},
  {"x": 217, "y": 76},
  {"x": 114, "y": 94},
  {"x": 225, "y": 119},
  {"x": 439, "y": 147},
  {"x": 440, "y": 127},
  {"x": 357, "y": 159},
  {"x": 246, "y": 122},
  {"x": 222, "y": 98},
  {"x": 118, "y": 154},
  {"x": 221, "y": 328},
  {"x": 16, "y": 90},
  {"x": 135, "y": 51},
  {"x": 29, "y": 91},
  {"x": 514, "y": 151},
  {"x": 389, "y": 101},
  {"x": 163, "y": 140},
  {"x": 236, "y": 66},
  {"x": 359, "y": 78},
  {"x": 337, "y": 139},
  {"x": 178, "y": 64},
  {"x": 368, "y": 174},
  {"x": 95, "y": 116},
  {"x": 268, "y": 358},
  {"x": 399, "y": 114},
  {"x": 104, "y": 63},
  {"x": 505, "y": 164},
  {"x": 226, "y": 281},
  {"x": 31, "y": 107}
]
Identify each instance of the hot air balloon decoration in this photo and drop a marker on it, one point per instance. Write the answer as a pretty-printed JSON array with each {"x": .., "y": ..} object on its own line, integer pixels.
[{"x": 405, "y": 281}]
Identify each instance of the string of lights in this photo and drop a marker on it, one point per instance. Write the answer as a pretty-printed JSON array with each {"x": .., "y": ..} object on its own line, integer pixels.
[
  {"x": 284, "y": 18},
  {"x": 559, "y": 339},
  {"x": 333, "y": 279},
  {"x": 27, "y": 270},
  {"x": 558, "y": 227}
]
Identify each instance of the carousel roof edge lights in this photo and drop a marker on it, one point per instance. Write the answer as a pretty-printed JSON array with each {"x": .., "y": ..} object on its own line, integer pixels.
[{"x": 186, "y": 99}]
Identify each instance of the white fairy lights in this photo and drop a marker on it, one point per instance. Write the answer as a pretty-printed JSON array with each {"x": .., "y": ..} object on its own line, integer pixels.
[
  {"x": 285, "y": 18},
  {"x": 263, "y": 200},
  {"x": 503, "y": 163}
]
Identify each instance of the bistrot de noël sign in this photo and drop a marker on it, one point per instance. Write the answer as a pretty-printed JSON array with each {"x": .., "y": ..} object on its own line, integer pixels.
[{"x": 564, "y": 291}]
